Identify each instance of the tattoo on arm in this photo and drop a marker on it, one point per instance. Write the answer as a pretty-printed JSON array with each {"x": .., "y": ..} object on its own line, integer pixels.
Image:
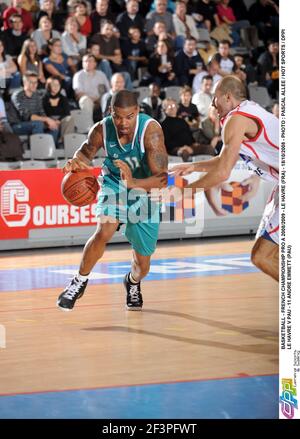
[
  {"x": 94, "y": 142},
  {"x": 160, "y": 161},
  {"x": 156, "y": 150}
]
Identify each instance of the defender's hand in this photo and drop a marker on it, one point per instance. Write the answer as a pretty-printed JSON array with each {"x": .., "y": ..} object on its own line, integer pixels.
[
  {"x": 182, "y": 169},
  {"x": 213, "y": 196},
  {"x": 253, "y": 185}
]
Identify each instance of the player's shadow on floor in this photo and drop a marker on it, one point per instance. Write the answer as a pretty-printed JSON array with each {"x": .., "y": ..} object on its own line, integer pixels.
[{"x": 270, "y": 348}]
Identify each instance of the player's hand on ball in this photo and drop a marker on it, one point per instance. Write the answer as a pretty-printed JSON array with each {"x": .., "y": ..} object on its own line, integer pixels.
[
  {"x": 182, "y": 169},
  {"x": 75, "y": 164},
  {"x": 253, "y": 184}
]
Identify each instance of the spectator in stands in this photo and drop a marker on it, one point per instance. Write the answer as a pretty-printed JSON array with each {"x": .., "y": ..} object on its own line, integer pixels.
[
  {"x": 245, "y": 71},
  {"x": 73, "y": 42},
  {"x": 111, "y": 52},
  {"x": 205, "y": 11},
  {"x": 268, "y": 68},
  {"x": 159, "y": 34},
  {"x": 47, "y": 8},
  {"x": 224, "y": 59},
  {"x": 226, "y": 15},
  {"x": 154, "y": 101},
  {"x": 8, "y": 69},
  {"x": 90, "y": 85},
  {"x": 100, "y": 13},
  {"x": 203, "y": 98},
  {"x": 170, "y": 5},
  {"x": 3, "y": 118},
  {"x": 161, "y": 65},
  {"x": 82, "y": 18},
  {"x": 134, "y": 52},
  {"x": 16, "y": 8},
  {"x": 264, "y": 14},
  {"x": 117, "y": 83},
  {"x": 60, "y": 65},
  {"x": 29, "y": 107},
  {"x": 184, "y": 25},
  {"x": 188, "y": 62},
  {"x": 207, "y": 50},
  {"x": 187, "y": 110},
  {"x": 102, "y": 64},
  {"x": 210, "y": 132},
  {"x": 213, "y": 69},
  {"x": 44, "y": 34},
  {"x": 130, "y": 18},
  {"x": 29, "y": 60},
  {"x": 30, "y": 5},
  {"x": 160, "y": 14},
  {"x": 13, "y": 38},
  {"x": 56, "y": 107},
  {"x": 249, "y": 34},
  {"x": 239, "y": 8},
  {"x": 178, "y": 136}
]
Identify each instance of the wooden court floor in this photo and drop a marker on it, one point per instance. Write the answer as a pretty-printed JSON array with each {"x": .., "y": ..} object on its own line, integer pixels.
[{"x": 191, "y": 328}]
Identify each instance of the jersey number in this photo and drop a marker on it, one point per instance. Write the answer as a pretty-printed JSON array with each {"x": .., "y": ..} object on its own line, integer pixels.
[{"x": 133, "y": 162}]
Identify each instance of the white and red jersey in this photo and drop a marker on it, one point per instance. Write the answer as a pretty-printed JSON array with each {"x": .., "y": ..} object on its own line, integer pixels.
[{"x": 261, "y": 153}]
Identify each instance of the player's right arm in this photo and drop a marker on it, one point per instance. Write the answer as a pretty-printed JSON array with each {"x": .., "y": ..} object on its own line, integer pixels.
[{"x": 84, "y": 155}]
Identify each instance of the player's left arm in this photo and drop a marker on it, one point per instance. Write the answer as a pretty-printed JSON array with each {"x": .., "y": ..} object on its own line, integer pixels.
[
  {"x": 234, "y": 133},
  {"x": 157, "y": 159}
]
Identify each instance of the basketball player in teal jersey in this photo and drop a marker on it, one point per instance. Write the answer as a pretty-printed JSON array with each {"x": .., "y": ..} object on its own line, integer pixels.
[{"x": 136, "y": 158}]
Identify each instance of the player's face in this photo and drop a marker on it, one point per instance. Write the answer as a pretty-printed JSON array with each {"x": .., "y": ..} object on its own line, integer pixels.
[
  {"x": 124, "y": 119},
  {"x": 222, "y": 103}
]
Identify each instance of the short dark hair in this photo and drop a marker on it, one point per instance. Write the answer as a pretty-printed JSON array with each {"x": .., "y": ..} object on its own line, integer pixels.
[
  {"x": 90, "y": 55},
  {"x": 225, "y": 42},
  {"x": 13, "y": 16},
  {"x": 207, "y": 78},
  {"x": 123, "y": 99},
  {"x": 103, "y": 22}
]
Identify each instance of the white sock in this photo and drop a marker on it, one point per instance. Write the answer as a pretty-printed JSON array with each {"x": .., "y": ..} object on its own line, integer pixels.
[
  {"x": 132, "y": 280},
  {"x": 82, "y": 278}
]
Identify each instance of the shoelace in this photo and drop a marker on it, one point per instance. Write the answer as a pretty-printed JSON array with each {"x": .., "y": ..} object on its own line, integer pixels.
[
  {"x": 73, "y": 289},
  {"x": 134, "y": 293}
]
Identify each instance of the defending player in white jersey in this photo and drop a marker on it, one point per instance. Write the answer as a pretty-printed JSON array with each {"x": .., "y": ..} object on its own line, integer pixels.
[{"x": 252, "y": 133}]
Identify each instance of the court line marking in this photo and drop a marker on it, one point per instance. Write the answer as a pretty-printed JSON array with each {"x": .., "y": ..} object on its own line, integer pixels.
[{"x": 239, "y": 375}]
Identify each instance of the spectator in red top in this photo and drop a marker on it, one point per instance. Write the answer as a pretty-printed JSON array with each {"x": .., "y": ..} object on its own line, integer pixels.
[
  {"x": 82, "y": 18},
  {"x": 226, "y": 15},
  {"x": 16, "y": 8}
]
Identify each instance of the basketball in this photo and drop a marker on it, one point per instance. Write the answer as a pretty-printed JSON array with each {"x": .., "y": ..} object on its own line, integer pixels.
[{"x": 79, "y": 188}]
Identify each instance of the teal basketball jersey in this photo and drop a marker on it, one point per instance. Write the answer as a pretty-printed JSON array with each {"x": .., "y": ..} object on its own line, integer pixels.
[{"x": 132, "y": 153}]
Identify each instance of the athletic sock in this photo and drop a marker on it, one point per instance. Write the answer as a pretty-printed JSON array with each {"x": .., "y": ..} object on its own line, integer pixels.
[
  {"x": 82, "y": 278},
  {"x": 131, "y": 279}
]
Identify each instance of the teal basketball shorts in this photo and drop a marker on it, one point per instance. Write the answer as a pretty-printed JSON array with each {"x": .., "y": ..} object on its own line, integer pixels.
[{"x": 140, "y": 216}]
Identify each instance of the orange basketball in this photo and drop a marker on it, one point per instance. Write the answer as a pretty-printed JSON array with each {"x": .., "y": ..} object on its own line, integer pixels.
[{"x": 79, "y": 188}]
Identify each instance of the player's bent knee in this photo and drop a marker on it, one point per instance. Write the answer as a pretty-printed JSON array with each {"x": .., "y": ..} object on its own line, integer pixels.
[
  {"x": 261, "y": 254},
  {"x": 257, "y": 257},
  {"x": 103, "y": 236}
]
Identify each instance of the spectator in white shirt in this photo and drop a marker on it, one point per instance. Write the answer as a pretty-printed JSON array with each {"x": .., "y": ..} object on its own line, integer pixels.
[
  {"x": 89, "y": 85},
  {"x": 184, "y": 25},
  {"x": 203, "y": 98}
]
